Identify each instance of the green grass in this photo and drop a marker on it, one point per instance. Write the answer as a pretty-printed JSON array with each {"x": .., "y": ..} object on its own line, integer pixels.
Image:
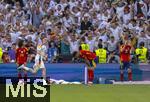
[{"x": 100, "y": 93}]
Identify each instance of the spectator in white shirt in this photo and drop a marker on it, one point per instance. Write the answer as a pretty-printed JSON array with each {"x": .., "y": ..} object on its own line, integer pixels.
[
  {"x": 112, "y": 45},
  {"x": 127, "y": 15},
  {"x": 74, "y": 43}
]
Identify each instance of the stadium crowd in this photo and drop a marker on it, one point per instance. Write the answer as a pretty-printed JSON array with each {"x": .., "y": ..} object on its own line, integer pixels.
[{"x": 71, "y": 24}]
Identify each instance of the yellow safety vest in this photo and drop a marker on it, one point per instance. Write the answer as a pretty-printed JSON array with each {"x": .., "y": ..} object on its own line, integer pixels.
[
  {"x": 1, "y": 54},
  {"x": 143, "y": 53},
  {"x": 102, "y": 55},
  {"x": 85, "y": 47}
]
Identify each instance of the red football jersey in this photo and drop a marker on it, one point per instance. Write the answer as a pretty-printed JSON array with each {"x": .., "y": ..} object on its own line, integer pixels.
[
  {"x": 125, "y": 53},
  {"x": 21, "y": 55},
  {"x": 87, "y": 55}
]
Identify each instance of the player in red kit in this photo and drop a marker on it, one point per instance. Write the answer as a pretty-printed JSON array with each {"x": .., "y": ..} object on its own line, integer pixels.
[
  {"x": 89, "y": 59},
  {"x": 125, "y": 58},
  {"x": 21, "y": 58}
]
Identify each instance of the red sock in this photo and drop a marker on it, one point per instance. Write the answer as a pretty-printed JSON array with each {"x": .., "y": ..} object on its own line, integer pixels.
[
  {"x": 19, "y": 76},
  {"x": 121, "y": 76},
  {"x": 90, "y": 75},
  {"x": 130, "y": 76}
]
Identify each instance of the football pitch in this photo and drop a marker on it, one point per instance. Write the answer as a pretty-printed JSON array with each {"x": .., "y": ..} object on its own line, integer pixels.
[{"x": 100, "y": 93}]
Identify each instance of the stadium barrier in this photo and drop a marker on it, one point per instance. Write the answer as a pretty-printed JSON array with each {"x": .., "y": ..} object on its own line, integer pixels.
[{"x": 76, "y": 72}]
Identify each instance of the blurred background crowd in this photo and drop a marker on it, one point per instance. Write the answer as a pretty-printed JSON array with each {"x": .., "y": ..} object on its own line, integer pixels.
[{"x": 69, "y": 23}]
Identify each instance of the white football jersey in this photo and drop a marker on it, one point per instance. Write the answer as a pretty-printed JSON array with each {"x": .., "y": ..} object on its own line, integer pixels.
[{"x": 41, "y": 49}]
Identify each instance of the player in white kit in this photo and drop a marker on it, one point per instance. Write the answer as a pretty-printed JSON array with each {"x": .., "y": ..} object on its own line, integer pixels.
[{"x": 39, "y": 63}]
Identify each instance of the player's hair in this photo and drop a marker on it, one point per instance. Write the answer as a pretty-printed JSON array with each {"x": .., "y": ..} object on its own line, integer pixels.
[{"x": 20, "y": 43}]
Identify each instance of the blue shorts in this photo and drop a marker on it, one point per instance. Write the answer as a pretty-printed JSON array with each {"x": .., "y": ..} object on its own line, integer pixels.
[{"x": 125, "y": 65}]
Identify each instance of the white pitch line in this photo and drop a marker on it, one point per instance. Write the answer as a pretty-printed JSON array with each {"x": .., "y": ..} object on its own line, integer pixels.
[{"x": 133, "y": 82}]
